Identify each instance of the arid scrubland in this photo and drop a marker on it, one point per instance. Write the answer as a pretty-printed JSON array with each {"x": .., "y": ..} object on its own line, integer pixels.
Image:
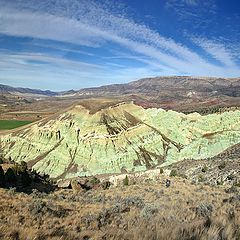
[
  {"x": 115, "y": 170},
  {"x": 145, "y": 210},
  {"x": 119, "y": 120}
]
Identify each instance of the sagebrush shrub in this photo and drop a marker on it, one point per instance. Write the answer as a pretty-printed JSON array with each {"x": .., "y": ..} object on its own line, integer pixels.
[{"x": 173, "y": 173}]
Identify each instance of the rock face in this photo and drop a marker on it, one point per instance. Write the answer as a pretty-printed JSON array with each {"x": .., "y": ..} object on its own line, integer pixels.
[{"x": 122, "y": 137}]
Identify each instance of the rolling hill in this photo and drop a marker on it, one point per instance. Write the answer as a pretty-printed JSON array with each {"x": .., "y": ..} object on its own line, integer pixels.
[
  {"x": 157, "y": 85},
  {"x": 181, "y": 93},
  {"x": 120, "y": 138}
]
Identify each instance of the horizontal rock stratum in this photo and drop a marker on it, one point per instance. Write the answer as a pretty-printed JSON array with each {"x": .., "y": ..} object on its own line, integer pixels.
[{"x": 124, "y": 137}]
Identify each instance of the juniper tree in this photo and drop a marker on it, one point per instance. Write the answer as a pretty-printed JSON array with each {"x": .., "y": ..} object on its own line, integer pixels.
[{"x": 2, "y": 177}]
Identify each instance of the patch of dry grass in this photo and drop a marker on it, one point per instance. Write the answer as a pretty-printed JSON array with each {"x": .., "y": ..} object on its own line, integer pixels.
[
  {"x": 96, "y": 104},
  {"x": 148, "y": 210}
]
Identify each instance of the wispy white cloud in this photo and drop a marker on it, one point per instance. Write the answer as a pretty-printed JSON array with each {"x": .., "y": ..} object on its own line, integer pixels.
[
  {"x": 89, "y": 27},
  {"x": 59, "y": 48},
  {"x": 216, "y": 50},
  {"x": 46, "y": 26},
  {"x": 87, "y": 23}
]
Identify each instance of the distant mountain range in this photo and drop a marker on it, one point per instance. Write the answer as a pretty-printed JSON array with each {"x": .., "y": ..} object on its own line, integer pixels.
[
  {"x": 157, "y": 86},
  {"x": 5, "y": 89},
  {"x": 160, "y": 85},
  {"x": 181, "y": 93}
]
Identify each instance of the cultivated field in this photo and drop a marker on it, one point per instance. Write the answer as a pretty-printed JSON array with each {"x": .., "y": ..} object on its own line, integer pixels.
[{"x": 11, "y": 124}]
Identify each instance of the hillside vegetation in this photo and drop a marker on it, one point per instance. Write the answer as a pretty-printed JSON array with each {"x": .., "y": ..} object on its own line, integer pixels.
[{"x": 146, "y": 209}]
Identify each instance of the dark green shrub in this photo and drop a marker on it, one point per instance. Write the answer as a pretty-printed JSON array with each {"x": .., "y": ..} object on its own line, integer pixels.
[
  {"x": 10, "y": 176},
  {"x": 94, "y": 181},
  {"x": 230, "y": 177},
  {"x": 23, "y": 166},
  {"x": 222, "y": 165},
  {"x": 204, "y": 169},
  {"x": 106, "y": 185},
  {"x": 201, "y": 178},
  {"x": 2, "y": 177},
  {"x": 20, "y": 168},
  {"x": 161, "y": 170},
  {"x": 220, "y": 182},
  {"x": 173, "y": 173},
  {"x": 237, "y": 184},
  {"x": 126, "y": 181},
  {"x": 182, "y": 175},
  {"x": 26, "y": 179}
]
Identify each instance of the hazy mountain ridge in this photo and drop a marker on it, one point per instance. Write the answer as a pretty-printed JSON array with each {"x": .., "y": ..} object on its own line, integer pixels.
[
  {"x": 147, "y": 87},
  {"x": 5, "y": 89},
  {"x": 204, "y": 95},
  {"x": 150, "y": 86},
  {"x": 180, "y": 93}
]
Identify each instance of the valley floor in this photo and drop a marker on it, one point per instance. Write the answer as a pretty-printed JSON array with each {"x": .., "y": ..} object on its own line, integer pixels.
[{"x": 145, "y": 210}]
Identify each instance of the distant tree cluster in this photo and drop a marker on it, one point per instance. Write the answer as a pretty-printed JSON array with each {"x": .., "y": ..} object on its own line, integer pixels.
[
  {"x": 20, "y": 177},
  {"x": 212, "y": 110}
]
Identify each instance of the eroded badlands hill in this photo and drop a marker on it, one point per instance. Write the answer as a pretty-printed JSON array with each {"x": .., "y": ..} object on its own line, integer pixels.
[{"x": 119, "y": 138}]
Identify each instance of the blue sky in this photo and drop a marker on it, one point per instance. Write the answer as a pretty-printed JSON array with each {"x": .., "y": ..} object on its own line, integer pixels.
[{"x": 72, "y": 44}]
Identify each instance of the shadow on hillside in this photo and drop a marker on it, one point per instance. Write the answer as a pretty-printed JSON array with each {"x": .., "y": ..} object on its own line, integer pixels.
[{"x": 19, "y": 177}]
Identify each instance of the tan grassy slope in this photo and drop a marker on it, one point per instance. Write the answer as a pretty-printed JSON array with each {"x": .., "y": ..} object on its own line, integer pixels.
[{"x": 147, "y": 210}]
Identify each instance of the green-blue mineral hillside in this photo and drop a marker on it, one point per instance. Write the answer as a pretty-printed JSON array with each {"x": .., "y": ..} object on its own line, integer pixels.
[{"x": 125, "y": 136}]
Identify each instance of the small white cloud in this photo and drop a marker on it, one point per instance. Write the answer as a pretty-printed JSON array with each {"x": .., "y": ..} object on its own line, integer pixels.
[{"x": 191, "y": 2}]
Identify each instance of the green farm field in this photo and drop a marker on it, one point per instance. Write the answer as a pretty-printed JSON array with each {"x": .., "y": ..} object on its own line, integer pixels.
[{"x": 11, "y": 124}]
